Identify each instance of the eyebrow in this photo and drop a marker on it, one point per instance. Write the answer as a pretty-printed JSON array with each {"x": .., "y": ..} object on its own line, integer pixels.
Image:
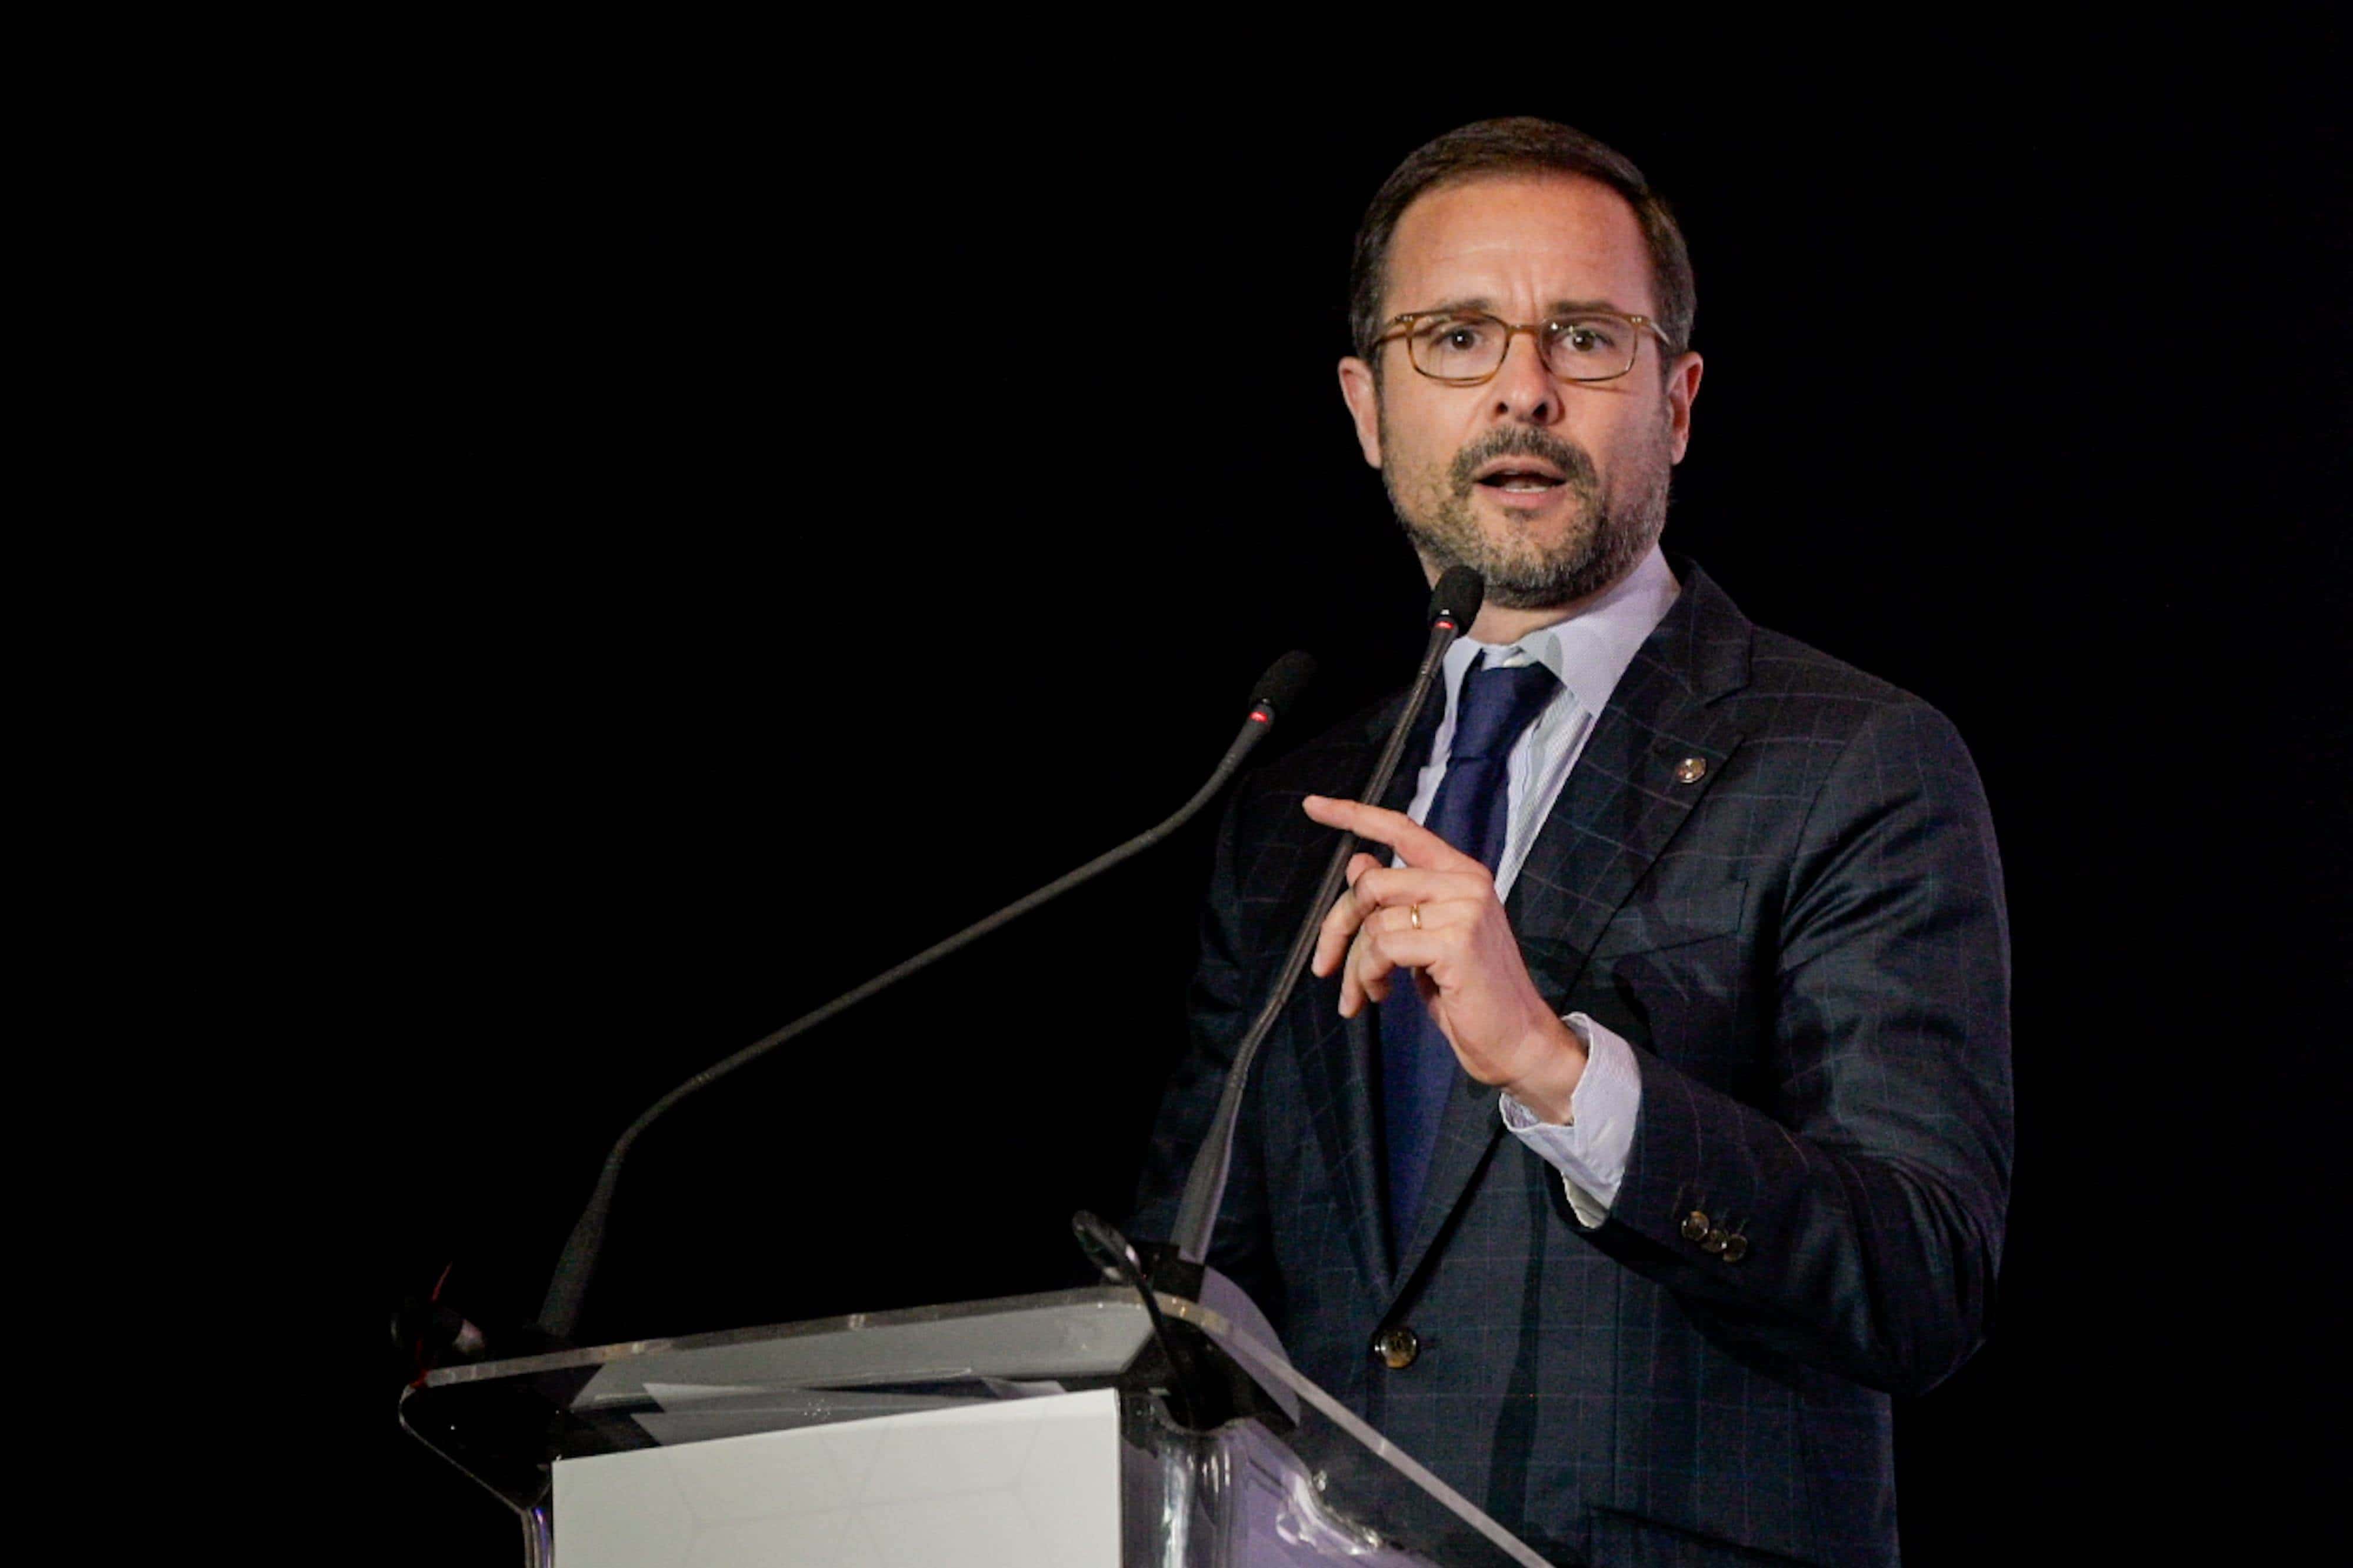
[{"x": 1481, "y": 303}]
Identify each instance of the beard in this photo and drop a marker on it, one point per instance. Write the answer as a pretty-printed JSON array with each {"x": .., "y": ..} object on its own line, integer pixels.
[{"x": 1601, "y": 541}]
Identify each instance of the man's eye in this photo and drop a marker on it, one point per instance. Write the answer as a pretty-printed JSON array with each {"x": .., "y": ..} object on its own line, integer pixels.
[
  {"x": 1458, "y": 337},
  {"x": 1582, "y": 338}
]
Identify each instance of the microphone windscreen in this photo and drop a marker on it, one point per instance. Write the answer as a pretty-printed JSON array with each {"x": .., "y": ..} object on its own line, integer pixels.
[
  {"x": 1283, "y": 681},
  {"x": 1457, "y": 598}
]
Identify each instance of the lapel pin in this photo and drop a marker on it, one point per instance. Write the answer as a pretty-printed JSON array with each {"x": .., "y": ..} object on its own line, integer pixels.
[{"x": 1690, "y": 770}]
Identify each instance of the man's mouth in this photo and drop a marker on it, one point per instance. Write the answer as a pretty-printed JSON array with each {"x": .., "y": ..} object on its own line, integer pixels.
[{"x": 1521, "y": 477}]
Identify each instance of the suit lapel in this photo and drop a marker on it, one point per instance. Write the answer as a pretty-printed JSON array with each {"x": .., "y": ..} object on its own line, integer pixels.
[
  {"x": 1623, "y": 802},
  {"x": 1337, "y": 1070},
  {"x": 1467, "y": 1130},
  {"x": 1654, "y": 753},
  {"x": 1337, "y": 1055}
]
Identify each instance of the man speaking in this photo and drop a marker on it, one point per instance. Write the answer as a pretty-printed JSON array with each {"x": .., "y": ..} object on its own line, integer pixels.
[{"x": 1647, "y": 1123}]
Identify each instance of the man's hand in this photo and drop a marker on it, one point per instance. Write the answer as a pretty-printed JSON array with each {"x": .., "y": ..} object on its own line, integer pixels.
[{"x": 1437, "y": 917}]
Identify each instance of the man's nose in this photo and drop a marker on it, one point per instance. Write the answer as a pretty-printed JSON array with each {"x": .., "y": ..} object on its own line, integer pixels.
[{"x": 1524, "y": 389}]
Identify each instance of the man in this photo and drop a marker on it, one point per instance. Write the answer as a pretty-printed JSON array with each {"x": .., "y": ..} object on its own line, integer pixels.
[{"x": 1647, "y": 1122}]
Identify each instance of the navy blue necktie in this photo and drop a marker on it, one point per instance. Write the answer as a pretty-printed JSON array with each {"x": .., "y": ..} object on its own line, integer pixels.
[{"x": 1417, "y": 1066}]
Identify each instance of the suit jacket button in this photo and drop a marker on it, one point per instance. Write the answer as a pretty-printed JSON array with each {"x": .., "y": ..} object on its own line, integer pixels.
[
  {"x": 1690, "y": 770},
  {"x": 1695, "y": 1225},
  {"x": 1397, "y": 1347},
  {"x": 1736, "y": 1248},
  {"x": 1713, "y": 1243}
]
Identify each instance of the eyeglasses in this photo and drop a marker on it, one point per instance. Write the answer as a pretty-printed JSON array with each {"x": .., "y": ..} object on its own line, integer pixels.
[{"x": 1463, "y": 348}]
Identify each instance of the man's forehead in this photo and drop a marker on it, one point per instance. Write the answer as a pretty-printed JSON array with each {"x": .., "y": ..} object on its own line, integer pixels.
[{"x": 1561, "y": 235}]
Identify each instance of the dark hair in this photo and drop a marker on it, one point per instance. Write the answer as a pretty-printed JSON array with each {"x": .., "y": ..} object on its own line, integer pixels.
[{"x": 1521, "y": 146}]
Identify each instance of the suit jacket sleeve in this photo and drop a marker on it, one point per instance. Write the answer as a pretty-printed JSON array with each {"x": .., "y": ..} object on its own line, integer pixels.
[{"x": 1869, "y": 1183}]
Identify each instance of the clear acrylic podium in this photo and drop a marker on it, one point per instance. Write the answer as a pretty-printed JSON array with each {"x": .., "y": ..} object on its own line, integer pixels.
[{"x": 1025, "y": 1431}]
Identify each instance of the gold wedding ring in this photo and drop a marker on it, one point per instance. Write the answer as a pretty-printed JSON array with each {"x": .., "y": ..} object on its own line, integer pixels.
[{"x": 1414, "y": 914}]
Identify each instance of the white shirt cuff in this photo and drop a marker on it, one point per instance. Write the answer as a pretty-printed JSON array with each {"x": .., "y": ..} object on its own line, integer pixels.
[{"x": 1590, "y": 1151}]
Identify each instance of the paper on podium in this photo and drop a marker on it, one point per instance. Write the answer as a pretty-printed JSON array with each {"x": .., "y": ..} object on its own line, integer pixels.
[{"x": 1028, "y": 1482}]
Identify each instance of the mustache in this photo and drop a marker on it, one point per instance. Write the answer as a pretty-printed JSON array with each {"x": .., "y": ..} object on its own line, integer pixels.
[{"x": 1523, "y": 441}]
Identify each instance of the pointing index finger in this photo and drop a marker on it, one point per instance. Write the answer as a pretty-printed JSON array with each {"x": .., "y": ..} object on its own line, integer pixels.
[{"x": 1418, "y": 845}]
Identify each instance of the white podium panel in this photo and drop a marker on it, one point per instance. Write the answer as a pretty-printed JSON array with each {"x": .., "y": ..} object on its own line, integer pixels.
[
  {"x": 947, "y": 1437},
  {"x": 1022, "y": 1483}
]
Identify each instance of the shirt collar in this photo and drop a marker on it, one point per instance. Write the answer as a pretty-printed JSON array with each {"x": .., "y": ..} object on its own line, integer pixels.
[{"x": 1589, "y": 652}]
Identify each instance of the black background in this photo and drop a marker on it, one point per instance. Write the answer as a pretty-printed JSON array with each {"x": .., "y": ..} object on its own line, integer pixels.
[{"x": 812, "y": 518}]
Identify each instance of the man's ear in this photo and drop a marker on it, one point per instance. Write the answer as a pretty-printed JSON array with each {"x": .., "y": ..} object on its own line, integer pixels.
[
  {"x": 1363, "y": 397},
  {"x": 1683, "y": 390}
]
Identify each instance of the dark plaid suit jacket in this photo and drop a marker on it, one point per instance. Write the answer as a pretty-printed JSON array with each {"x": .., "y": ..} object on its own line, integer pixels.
[{"x": 1807, "y": 947}]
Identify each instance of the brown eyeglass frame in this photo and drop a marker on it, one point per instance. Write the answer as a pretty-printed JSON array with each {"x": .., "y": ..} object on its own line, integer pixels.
[{"x": 1402, "y": 327}]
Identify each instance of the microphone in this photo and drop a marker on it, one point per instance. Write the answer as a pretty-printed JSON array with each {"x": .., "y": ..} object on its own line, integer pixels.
[
  {"x": 1277, "y": 689},
  {"x": 1453, "y": 605}
]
